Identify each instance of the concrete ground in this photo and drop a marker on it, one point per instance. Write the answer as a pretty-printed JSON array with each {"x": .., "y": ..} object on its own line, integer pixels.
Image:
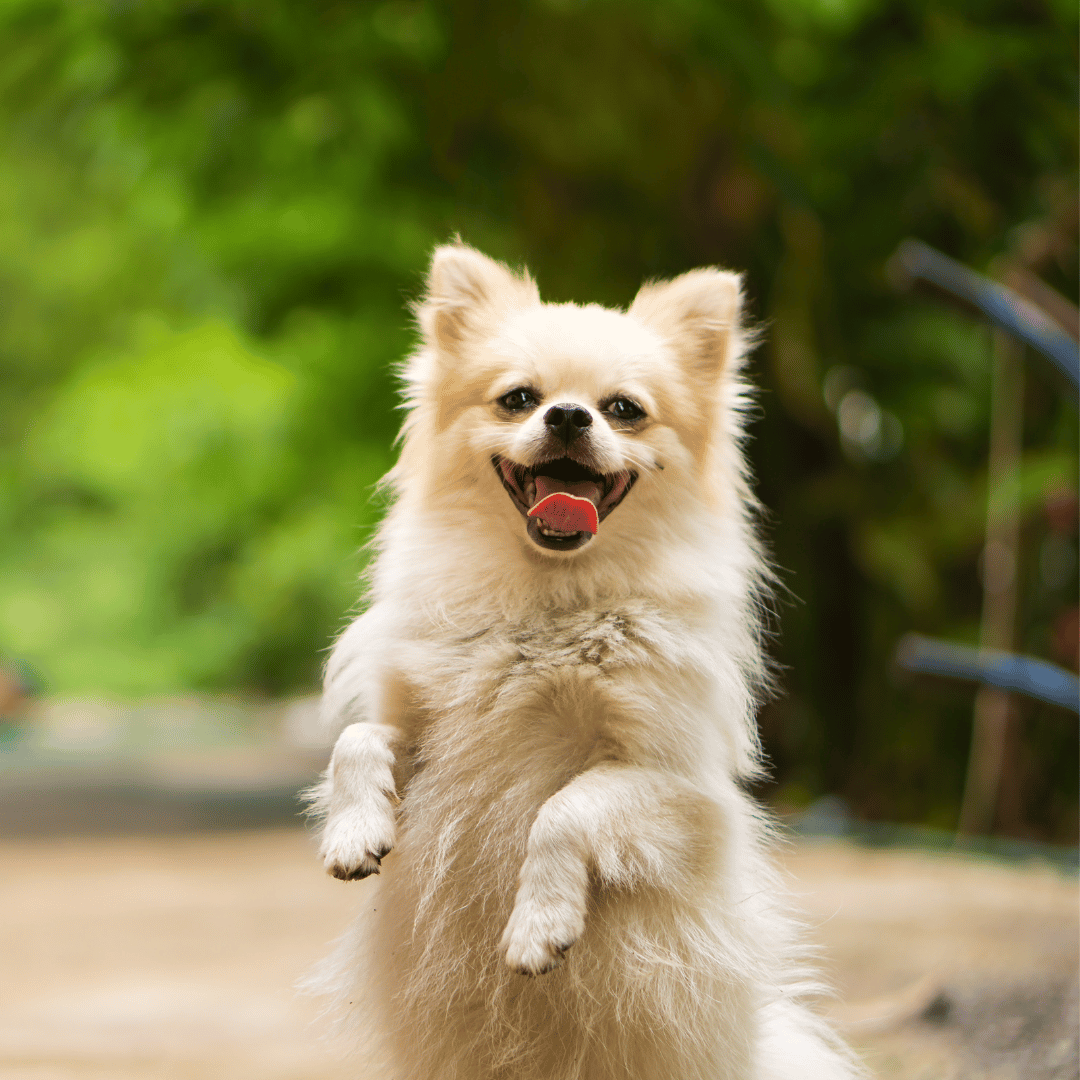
[
  {"x": 174, "y": 958},
  {"x": 946, "y": 968}
]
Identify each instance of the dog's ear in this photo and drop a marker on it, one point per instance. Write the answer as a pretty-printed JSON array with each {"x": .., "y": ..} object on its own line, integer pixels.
[
  {"x": 699, "y": 314},
  {"x": 467, "y": 293}
]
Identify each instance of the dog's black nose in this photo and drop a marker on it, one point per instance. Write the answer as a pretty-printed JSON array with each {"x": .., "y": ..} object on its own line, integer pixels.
[{"x": 567, "y": 422}]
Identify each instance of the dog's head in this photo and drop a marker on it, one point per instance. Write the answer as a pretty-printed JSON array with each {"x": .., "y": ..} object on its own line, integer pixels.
[{"x": 567, "y": 423}]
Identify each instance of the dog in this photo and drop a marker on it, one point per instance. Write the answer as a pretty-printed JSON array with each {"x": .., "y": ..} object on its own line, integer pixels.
[{"x": 548, "y": 708}]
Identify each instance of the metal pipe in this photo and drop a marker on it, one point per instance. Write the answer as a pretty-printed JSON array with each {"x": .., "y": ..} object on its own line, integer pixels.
[{"x": 1003, "y": 306}]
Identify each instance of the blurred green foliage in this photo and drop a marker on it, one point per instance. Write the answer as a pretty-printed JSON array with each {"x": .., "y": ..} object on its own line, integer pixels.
[{"x": 212, "y": 215}]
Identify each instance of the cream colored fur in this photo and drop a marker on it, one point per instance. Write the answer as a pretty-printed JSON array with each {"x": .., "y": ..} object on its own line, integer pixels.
[{"x": 554, "y": 744}]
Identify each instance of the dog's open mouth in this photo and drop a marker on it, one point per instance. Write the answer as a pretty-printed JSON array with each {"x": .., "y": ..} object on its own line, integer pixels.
[{"x": 562, "y": 500}]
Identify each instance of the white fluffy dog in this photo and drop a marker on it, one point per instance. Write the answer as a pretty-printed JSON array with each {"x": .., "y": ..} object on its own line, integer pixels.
[{"x": 550, "y": 700}]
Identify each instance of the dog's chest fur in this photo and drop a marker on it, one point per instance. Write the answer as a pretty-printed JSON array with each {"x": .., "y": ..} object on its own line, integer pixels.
[
  {"x": 507, "y": 716},
  {"x": 554, "y": 694}
]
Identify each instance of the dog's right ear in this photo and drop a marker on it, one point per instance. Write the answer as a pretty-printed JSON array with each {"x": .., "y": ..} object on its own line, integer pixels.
[
  {"x": 699, "y": 313},
  {"x": 467, "y": 295}
]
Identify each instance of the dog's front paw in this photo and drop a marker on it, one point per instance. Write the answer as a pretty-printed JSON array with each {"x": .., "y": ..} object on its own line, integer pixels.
[
  {"x": 357, "y": 799},
  {"x": 356, "y": 838},
  {"x": 539, "y": 933}
]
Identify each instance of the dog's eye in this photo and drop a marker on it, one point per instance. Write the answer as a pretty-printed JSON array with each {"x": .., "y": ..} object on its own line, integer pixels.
[
  {"x": 519, "y": 398},
  {"x": 624, "y": 409}
]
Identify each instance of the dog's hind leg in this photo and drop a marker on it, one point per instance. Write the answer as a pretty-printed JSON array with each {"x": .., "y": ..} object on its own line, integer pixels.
[
  {"x": 631, "y": 826},
  {"x": 358, "y": 798}
]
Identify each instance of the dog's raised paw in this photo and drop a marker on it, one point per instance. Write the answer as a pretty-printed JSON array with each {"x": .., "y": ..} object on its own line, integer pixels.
[
  {"x": 538, "y": 935},
  {"x": 355, "y": 841}
]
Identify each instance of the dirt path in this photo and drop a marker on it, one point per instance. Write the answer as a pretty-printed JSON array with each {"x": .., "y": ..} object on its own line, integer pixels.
[
  {"x": 175, "y": 958},
  {"x": 981, "y": 957}
]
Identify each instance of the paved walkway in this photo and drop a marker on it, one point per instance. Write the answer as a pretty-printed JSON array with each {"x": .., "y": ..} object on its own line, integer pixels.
[{"x": 174, "y": 958}]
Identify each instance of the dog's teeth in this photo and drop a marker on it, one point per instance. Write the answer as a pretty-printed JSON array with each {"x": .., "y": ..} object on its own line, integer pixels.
[{"x": 530, "y": 492}]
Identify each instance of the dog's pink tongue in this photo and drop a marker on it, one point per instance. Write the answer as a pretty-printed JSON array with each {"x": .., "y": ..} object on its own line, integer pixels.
[{"x": 566, "y": 507}]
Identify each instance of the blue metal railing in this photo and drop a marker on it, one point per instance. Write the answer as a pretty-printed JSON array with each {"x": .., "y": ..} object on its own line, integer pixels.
[
  {"x": 1007, "y": 671},
  {"x": 1025, "y": 320},
  {"x": 999, "y": 304}
]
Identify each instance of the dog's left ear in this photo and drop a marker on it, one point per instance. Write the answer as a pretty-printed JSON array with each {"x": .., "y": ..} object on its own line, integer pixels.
[
  {"x": 699, "y": 314},
  {"x": 467, "y": 294}
]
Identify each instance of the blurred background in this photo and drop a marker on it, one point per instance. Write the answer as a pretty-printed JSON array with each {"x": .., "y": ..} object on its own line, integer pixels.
[{"x": 213, "y": 216}]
